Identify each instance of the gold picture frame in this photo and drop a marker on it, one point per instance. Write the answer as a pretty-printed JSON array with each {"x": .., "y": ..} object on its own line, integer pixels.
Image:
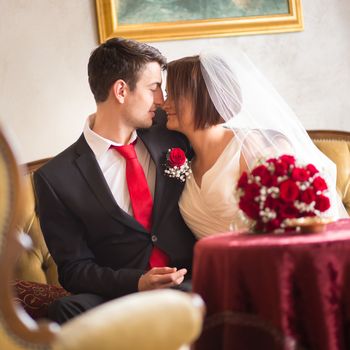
[{"x": 188, "y": 29}]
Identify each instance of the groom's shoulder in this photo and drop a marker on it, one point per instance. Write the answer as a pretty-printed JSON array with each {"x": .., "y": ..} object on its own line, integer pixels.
[{"x": 61, "y": 163}]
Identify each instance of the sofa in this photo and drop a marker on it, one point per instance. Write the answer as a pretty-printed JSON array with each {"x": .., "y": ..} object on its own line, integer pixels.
[
  {"x": 336, "y": 146},
  {"x": 38, "y": 266}
]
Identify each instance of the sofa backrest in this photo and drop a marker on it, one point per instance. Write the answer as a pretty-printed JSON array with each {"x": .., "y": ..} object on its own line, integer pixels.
[
  {"x": 336, "y": 146},
  {"x": 36, "y": 264}
]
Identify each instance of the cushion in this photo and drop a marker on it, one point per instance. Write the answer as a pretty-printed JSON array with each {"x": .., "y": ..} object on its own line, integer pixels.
[{"x": 36, "y": 297}]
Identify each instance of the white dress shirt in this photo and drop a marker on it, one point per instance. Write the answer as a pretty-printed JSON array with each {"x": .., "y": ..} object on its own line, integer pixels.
[{"x": 113, "y": 164}]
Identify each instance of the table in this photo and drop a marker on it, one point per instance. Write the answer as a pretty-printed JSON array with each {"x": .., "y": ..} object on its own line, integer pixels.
[{"x": 275, "y": 291}]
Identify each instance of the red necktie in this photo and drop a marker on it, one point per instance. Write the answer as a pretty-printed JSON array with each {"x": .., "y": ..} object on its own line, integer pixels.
[{"x": 140, "y": 198}]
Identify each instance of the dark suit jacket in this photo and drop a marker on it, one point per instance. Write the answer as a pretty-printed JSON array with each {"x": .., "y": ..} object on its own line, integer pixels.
[{"x": 97, "y": 246}]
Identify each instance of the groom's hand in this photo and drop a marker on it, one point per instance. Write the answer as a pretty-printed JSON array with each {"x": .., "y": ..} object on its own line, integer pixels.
[{"x": 161, "y": 277}]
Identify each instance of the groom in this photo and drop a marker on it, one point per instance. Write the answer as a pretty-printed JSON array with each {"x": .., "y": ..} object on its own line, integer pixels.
[{"x": 109, "y": 215}]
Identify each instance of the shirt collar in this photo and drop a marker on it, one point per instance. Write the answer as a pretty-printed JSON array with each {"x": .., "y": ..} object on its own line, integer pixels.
[{"x": 97, "y": 143}]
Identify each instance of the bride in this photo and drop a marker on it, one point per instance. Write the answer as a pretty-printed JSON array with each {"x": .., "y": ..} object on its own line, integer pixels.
[{"x": 232, "y": 117}]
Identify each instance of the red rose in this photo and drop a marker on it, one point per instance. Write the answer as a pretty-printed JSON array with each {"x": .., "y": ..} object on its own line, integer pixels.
[
  {"x": 274, "y": 181},
  {"x": 290, "y": 160},
  {"x": 265, "y": 175},
  {"x": 251, "y": 191},
  {"x": 243, "y": 180},
  {"x": 307, "y": 196},
  {"x": 261, "y": 171},
  {"x": 312, "y": 169},
  {"x": 250, "y": 208},
  {"x": 319, "y": 184},
  {"x": 288, "y": 211},
  {"x": 269, "y": 180},
  {"x": 273, "y": 224},
  {"x": 176, "y": 157},
  {"x": 281, "y": 169},
  {"x": 272, "y": 160},
  {"x": 272, "y": 203},
  {"x": 322, "y": 203},
  {"x": 289, "y": 191},
  {"x": 300, "y": 174}
]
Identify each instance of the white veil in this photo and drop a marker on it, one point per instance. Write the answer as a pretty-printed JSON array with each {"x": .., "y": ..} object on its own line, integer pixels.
[{"x": 262, "y": 121}]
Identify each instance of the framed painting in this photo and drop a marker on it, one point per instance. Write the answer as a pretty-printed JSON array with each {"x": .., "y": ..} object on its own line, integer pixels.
[{"x": 157, "y": 20}]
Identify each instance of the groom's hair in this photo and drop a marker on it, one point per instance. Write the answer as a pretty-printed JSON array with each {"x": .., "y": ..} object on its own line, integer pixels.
[
  {"x": 185, "y": 80},
  {"x": 116, "y": 59}
]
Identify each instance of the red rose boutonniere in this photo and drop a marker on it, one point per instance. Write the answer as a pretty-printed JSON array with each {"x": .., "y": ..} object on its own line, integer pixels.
[
  {"x": 279, "y": 189},
  {"x": 177, "y": 165}
]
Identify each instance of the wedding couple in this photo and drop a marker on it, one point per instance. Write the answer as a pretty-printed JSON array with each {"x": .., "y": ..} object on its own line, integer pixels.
[{"x": 113, "y": 221}]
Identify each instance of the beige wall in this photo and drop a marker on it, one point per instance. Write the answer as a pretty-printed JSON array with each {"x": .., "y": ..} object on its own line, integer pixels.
[{"x": 45, "y": 44}]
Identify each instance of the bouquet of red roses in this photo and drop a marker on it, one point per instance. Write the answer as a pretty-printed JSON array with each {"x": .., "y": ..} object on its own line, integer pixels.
[{"x": 279, "y": 189}]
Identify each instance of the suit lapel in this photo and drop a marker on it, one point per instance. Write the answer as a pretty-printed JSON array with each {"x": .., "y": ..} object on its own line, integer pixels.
[{"x": 93, "y": 175}]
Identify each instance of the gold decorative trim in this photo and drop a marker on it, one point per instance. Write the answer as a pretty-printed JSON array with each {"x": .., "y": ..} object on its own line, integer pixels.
[
  {"x": 179, "y": 30},
  {"x": 329, "y": 135}
]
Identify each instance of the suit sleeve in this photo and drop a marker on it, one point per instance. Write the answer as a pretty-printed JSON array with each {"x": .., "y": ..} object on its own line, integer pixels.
[{"x": 65, "y": 237}]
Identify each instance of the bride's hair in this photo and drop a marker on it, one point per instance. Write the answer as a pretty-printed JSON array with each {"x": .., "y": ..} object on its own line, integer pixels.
[{"x": 185, "y": 81}]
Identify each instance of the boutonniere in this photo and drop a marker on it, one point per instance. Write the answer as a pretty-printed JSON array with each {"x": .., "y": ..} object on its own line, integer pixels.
[{"x": 177, "y": 165}]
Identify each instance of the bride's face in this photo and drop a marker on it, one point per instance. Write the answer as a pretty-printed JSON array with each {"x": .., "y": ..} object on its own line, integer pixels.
[{"x": 183, "y": 121}]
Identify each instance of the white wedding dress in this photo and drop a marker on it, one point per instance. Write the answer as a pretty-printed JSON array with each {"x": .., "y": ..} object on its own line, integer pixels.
[
  {"x": 213, "y": 208},
  {"x": 263, "y": 125}
]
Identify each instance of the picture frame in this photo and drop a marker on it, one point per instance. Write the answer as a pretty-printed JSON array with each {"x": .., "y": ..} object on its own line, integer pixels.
[{"x": 109, "y": 27}]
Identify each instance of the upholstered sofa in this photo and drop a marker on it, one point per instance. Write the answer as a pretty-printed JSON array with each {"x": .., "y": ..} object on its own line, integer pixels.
[
  {"x": 37, "y": 264},
  {"x": 336, "y": 146}
]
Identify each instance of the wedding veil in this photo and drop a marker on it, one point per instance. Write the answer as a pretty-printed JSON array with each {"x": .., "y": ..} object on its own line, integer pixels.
[{"x": 261, "y": 120}]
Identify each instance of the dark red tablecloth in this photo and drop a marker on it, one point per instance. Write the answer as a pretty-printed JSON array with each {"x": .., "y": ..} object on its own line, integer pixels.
[{"x": 270, "y": 292}]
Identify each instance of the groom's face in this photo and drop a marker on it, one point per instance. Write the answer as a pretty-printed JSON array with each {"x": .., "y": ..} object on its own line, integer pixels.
[{"x": 142, "y": 102}]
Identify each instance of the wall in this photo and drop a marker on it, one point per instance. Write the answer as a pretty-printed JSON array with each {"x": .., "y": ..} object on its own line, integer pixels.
[{"x": 45, "y": 45}]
